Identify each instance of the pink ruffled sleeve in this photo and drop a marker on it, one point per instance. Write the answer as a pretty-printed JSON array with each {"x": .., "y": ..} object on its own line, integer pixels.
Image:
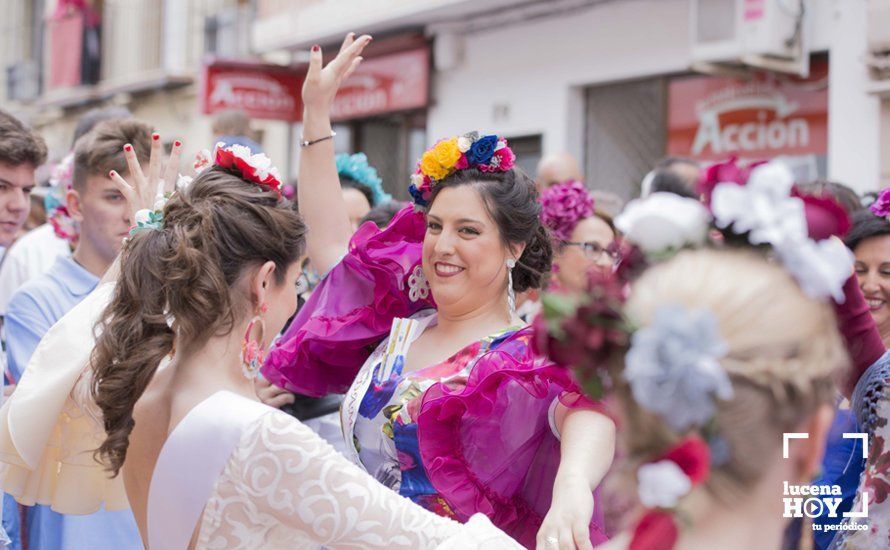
[
  {"x": 860, "y": 332},
  {"x": 351, "y": 310},
  {"x": 488, "y": 447}
]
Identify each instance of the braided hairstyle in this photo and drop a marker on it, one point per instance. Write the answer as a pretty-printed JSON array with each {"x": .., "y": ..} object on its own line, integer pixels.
[{"x": 178, "y": 282}]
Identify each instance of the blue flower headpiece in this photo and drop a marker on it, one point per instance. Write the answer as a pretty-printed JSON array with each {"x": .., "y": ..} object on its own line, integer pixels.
[{"x": 357, "y": 168}]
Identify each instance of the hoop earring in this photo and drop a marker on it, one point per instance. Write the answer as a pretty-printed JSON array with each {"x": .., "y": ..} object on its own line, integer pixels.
[
  {"x": 511, "y": 296},
  {"x": 253, "y": 350}
]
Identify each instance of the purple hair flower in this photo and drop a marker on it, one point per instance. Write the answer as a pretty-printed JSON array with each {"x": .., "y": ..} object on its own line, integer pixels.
[
  {"x": 563, "y": 206},
  {"x": 881, "y": 206}
]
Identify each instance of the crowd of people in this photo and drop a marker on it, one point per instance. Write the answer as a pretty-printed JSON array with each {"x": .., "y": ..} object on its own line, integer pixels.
[{"x": 210, "y": 358}]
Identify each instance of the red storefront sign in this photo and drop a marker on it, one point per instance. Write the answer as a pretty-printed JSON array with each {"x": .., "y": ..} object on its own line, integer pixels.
[
  {"x": 261, "y": 90},
  {"x": 711, "y": 118},
  {"x": 394, "y": 82}
]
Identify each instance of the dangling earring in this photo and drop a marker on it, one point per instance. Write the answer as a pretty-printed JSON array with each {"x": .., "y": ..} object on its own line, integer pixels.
[
  {"x": 511, "y": 296},
  {"x": 418, "y": 286},
  {"x": 253, "y": 350}
]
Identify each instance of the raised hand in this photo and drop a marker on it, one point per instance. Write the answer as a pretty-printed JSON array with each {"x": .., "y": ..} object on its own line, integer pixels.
[
  {"x": 322, "y": 82},
  {"x": 143, "y": 191}
]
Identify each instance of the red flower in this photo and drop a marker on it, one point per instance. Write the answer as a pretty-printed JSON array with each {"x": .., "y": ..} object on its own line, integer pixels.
[
  {"x": 693, "y": 456},
  {"x": 254, "y": 168},
  {"x": 587, "y": 334},
  {"x": 656, "y": 530},
  {"x": 725, "y": 172},
  {"x": 825, "y": 216}
]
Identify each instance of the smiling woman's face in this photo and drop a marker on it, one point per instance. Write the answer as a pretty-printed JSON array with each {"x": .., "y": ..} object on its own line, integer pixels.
[
  {"x": 463, "y": 256},
  {"x": 873, "y": 271}
]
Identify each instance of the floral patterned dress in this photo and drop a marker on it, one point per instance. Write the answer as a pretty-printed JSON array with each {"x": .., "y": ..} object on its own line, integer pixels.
[
  {"x": 470, "y": 435},
  {"x": 385, "y": 432}
]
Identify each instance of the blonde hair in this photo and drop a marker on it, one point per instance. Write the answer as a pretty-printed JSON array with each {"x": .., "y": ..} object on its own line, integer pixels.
[{"x": 783, "y": 350}]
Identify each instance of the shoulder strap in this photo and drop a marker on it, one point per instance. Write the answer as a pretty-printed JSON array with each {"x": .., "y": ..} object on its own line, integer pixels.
[{"x": 190, "y": 463}]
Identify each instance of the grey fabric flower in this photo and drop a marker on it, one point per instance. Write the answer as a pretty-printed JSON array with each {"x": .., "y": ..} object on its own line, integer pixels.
[{"x": 673, "y": 366}]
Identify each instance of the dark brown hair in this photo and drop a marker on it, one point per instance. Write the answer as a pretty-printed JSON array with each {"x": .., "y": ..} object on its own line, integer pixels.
[
  {"x": 512, "y": 202},
  {"x": 102, "y": 149},
  {"x": 19, "y": 144},
  {"x": 178, "y": 281}
]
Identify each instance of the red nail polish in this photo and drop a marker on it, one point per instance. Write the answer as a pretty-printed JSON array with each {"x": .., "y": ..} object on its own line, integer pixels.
[
  {"x": 177, "y": 143},
  {"x": 315, "y": 48},
  {"x": 128, "y": 147},
  {"x": 111, "y": 174},
  {"x": 155, "y": 137}
]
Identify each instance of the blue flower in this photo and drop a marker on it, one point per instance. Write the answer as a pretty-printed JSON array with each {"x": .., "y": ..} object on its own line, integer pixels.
[
  {"x": 673, "y": 366},
  {"x": 482, "y": 150},
  {"x": 417, "y": 195}
]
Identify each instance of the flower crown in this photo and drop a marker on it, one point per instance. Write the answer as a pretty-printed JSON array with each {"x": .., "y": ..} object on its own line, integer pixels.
[
  {"x": 357, "y": 168},
  {"x": 256, "y": 168},
  {"x": 564, "y": 205},
  {"x": 253, "y": 168},
  {"x": 488, "y": 153}
]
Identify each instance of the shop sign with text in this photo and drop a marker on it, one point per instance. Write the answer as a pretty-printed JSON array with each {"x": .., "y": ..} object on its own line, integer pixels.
[{"x": 768, "y": 115}]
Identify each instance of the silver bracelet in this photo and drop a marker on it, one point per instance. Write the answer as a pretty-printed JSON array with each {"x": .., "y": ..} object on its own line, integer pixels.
[{"x": 307, "y": 143}]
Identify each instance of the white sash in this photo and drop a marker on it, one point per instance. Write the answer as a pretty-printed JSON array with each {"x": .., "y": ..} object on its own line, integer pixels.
[
  {"x": 190, "y": 463},
  {"x": 401, "y": 336}
]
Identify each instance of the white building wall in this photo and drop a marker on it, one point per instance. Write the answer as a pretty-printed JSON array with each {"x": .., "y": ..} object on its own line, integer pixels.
[
  {"x": 854, "y": 115},
  {"x": 534, "y": 71},
  {"x": 527, "y": 78}
]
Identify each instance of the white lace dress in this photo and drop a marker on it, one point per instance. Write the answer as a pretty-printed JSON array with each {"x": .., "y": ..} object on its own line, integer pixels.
[{"x": 253, "y": 477}]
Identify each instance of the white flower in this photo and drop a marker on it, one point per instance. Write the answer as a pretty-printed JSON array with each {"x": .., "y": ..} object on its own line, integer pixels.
[
  {"x": 661, "y": 484},
  {"x": 261, "y": 164},
  {"x": 183, "y": 182},
  {"x": 763, "y": 207},
  {"x": 821, "y": 268},
  {"x": 464, "y": 143},
  {"x": 143, "y": 216},
  {"x": 417, "y": 180},
  {"x": 664, "y": 221},
  {"x": 673, "y": 366}
]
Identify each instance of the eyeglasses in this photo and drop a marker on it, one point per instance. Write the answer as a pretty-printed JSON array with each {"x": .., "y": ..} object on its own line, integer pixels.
[{"x": 593, "y": 251}]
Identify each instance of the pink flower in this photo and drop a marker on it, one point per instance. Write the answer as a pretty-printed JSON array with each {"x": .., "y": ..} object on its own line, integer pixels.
[
  {"x": 502, "y": 160},
  {"x": 725, "y": 172},
  {"x": 881, "y": 207},
  {"x": 563, "y": 206},
  {"x": 462, "y": 163}
]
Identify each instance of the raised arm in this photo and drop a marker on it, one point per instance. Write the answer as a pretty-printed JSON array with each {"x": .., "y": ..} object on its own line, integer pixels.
[{"x": 320, "y": 198}]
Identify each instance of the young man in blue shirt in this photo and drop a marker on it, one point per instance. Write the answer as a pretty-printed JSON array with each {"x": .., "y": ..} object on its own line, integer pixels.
[
  {"x": 22, "y": 151},
  {"x": 102, "y": 214}
]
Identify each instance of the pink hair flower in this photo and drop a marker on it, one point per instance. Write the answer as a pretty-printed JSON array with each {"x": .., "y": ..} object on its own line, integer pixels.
[{"x": 563, "y": 206}]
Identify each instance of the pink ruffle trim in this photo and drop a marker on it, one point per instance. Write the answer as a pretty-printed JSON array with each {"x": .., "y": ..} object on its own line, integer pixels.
[
  {"x": 351, "y": 311},
  {"x": 488, "y": 447}
]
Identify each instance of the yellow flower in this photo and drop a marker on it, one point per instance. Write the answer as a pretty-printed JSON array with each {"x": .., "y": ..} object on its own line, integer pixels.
[
  {"x": 438, "y": 162},
  {"x": 447, "y": 153},
  {"x": 431, "y": 167}
]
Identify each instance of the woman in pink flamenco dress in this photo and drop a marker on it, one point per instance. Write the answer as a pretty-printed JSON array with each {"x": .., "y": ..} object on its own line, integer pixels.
[{"x": 446, "y": 403}]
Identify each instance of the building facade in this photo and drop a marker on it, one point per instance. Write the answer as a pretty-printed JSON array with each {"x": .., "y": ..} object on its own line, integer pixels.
[{"x": 617, "y": 83}]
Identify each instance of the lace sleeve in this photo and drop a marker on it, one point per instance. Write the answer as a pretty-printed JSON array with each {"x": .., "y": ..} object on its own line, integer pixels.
[{"x": 293, "y": 477}]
